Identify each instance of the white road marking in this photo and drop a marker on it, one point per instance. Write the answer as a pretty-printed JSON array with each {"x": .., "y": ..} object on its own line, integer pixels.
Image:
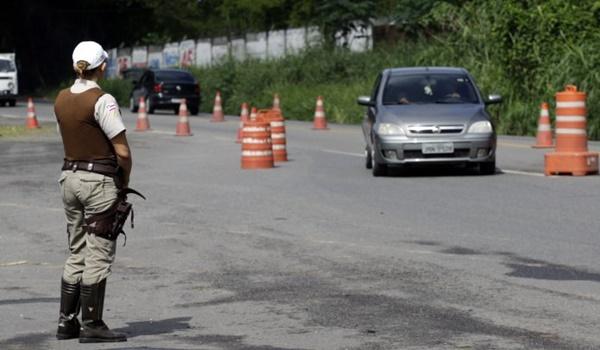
[
  {"x": 343, "y": 153},
  {"x": 14, "y": 263},
  {"x": 519, "y": 172}
]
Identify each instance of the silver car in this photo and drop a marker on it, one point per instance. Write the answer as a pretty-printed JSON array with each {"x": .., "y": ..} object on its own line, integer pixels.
[{"x": 428, "y": 115}]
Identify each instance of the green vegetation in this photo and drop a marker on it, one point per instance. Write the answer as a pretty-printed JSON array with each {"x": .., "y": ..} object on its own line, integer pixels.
[
  {"x": 20, "y": 130},
  {"x": 526, "y": 50}
]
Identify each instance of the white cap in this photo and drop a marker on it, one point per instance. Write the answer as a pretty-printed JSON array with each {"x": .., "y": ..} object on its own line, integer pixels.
[{"x": 91, "y": 52}]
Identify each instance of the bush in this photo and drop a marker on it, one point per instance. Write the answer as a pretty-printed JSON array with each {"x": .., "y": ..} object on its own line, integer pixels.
[
  {"x": 119, "y": 88},
  {"x": 525, "y": 50}
]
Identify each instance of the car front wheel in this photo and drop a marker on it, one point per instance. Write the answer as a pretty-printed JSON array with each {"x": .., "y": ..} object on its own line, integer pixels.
[
  {"x": 487, "y": 168},
  {"x": 368, "y": 158},
  {"x": 377, "y": 168},
  {"x": 149, "y": 106}
]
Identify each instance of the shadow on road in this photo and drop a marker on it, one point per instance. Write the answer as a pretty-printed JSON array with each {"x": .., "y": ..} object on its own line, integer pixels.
[{"x": 170, "y": 325}]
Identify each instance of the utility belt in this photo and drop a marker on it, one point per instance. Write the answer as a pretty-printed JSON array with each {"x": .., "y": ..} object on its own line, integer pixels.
[
  {"x": 107, "y": 167},
  {"x": 109, "y": 223}
]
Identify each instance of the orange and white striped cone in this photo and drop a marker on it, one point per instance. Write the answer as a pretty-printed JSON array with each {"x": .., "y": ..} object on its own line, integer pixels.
[
  {"x": 31, "y": 122},
  {"x": 320, "y": 121},
  {"x": 183, "y": 124},
  {"x": 243, "y": 118},
  {"x": 253, "y": 114},
  {"x": 276, "y": 103},
  {"x": 571, "y": 155},
  {"x": 544, "y": 131},
  {"x": 218, "y": 115},
  {"x": 142, "y": 123}
]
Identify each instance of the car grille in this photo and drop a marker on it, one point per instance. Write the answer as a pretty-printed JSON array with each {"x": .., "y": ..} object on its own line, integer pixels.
[
  {"x": 435, "y": 129},
  {"x": 417, "y": 154}
]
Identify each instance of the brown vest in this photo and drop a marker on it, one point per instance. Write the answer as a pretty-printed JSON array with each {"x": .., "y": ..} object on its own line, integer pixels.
[{"x": 83, "y": 139}]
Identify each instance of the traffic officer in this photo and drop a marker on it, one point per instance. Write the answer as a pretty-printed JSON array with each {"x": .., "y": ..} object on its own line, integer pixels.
[{"x": 97, "y": 165}]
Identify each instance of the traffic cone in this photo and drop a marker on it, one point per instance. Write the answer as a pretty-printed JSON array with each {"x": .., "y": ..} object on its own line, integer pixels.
[
  {"x": 276, "y": 103},
  {"x": 31, "y": 122},
  {"x": 142, "y": 123},
  {"x": 243, "y": 118},
  {"x": 320, "y": 122},
  {"x": 183, "y": 125},
  {"x": 217, "y": 115},
  {"x": 253, "y": 114},
  {"x": 544, "y": 131},
  {"x": 571, "y": 155}
]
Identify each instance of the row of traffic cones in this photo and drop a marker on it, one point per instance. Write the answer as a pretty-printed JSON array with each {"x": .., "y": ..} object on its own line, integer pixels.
[
  {"x": 319, "y": 123},
  {"x": 183, "y": 124}
]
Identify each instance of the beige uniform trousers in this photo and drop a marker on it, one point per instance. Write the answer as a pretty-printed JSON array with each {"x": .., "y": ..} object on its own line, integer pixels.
[{"x": 84, "y": 194}]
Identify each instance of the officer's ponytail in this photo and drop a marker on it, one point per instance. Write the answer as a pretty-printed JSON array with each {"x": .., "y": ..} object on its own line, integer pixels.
[{"x": 81, "y": 67}]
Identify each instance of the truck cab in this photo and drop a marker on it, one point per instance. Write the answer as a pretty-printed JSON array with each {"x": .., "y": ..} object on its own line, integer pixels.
[{"x": 9, "y": 85}]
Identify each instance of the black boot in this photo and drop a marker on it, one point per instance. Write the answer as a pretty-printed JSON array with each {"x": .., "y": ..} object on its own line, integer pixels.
[
  {"x": 68, "y": 325},
  {"x": 93, "y": 329}
]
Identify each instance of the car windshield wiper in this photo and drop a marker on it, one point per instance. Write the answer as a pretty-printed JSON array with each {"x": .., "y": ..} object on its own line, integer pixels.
[{"x": 449, "y": 101}]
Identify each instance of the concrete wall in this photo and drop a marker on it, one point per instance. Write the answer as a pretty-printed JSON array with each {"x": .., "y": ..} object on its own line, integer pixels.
[
  {"x": 256, "y": 45},
  {"x": 171, "y": 55},
  {"x": 276, "y": 44},
  {"x": 206, "y": 52},
  {"x": 139, "y": 57},
  {"x": 187, "y": 53},
  {"x": 203, "y": 53}
]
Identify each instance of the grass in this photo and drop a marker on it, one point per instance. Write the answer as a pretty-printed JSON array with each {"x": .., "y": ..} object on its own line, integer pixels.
[{"x": 12, "y": 131}]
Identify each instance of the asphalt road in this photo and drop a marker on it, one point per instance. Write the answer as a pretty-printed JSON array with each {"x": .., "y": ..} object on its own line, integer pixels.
[{"x": 314, "y": 254}]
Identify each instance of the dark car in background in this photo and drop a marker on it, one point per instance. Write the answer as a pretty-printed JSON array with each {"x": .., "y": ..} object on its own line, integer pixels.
[
  {"x": 165, "y": 89},
  {"x": 428, "y": 115}
]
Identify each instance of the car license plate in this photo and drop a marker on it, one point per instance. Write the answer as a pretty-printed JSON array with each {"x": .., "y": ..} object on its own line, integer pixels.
[
  {"x": 437, "y": 148},
  {"x": 176, "y": 100}
]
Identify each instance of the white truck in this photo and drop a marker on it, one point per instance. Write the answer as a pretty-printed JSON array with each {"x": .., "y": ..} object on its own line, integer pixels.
[{"x": 9, "y": 85}]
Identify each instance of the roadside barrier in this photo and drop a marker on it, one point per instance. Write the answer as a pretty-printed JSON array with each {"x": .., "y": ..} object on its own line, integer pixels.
[
  {"x": 142, "y": 123},
  {"x": 276, "y": 103},
  {"x": 544, "y": 131},
  {"x": 218, "y": 115},
  {"x": 320, "y": 121},
  {"x": 571, "y": 155},
  {"x": 183, "y": 124},
  {"x": 278, "y": 138},
  {"x": 243, "y": 118},
  {"x": 31, "y": 122},
  {"x": 257, "y": 151}
]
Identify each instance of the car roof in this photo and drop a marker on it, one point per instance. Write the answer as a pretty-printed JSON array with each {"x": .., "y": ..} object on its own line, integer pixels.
[{"x": 425, "y": 70}]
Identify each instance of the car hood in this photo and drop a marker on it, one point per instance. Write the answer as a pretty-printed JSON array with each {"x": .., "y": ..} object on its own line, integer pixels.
[{"x": 432, "y": 114}]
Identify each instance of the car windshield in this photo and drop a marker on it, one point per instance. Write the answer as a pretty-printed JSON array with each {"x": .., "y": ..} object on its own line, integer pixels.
[
  {"x": 6, "y": 66},
  {"x": 429, "y": 88},
  {"x": 174, "y": 76}
]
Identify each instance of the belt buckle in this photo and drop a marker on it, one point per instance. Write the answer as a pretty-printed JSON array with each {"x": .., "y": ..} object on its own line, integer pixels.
[
  {"x": 90, "y": 166},
  {"x": 74, "y": 167}
]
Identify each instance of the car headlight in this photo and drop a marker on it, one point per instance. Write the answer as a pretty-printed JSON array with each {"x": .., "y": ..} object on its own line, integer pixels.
[
  {"x": 390, "y": 129},
  {"x": 482, "y": 127}
]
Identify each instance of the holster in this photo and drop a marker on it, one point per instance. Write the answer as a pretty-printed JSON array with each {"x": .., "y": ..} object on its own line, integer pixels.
[{"x": 109, "y": 223}]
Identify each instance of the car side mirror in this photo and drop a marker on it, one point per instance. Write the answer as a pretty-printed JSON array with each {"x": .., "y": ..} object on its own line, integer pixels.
[
  {"x": 365, "y": 101},
  {"x": 493, "y": 99}
]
